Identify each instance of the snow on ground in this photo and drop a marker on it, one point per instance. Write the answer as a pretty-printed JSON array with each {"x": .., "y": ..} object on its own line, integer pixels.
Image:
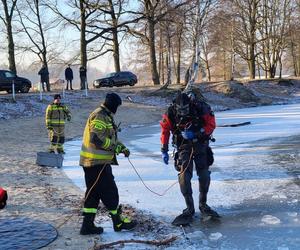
[
  {"x": 242, "y": 173},
  {"x": 29, "y": 105}
]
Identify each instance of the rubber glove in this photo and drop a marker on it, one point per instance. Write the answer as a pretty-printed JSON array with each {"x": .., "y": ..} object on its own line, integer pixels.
[
  {"x": 126, "y": 152},
  {"x": 119, "y": 148},
  {"x": 188, "y": 134},
  {"x": 165, "y": 157}
]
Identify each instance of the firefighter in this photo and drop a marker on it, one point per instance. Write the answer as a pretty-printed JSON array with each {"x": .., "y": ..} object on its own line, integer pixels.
[
  {"x": 56, "y": 114},
  {"x": 191, "y": 122},
  {"x": 100, "y": 146}
]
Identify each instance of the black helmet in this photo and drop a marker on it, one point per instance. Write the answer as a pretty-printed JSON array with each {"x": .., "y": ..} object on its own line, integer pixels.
[
  {"x": 112, "y": 102},
  {"x": 182, "y": 104},
  {"x": 56, "y": 96}
]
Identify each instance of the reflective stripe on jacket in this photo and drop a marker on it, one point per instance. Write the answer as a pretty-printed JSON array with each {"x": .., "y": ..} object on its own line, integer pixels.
[
  {"x": 102, "y": 150},
  {"x": 56, "y": 114}
]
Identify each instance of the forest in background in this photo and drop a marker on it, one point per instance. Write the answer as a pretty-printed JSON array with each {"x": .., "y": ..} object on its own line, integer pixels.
[{"x": 159, "y": 40}]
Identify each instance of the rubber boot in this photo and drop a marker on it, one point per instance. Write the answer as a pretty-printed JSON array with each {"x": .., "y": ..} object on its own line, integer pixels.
[
  {"x": 207, "y": 211},
  {"x": 60, "y": 149},
  {"x": 190, "y": 209},
  {"x": 51, "y": 149},
  {"x": 119, "y": 222},
  {"x": 202, "y": 197},
  {"x": 88, "y": 226}
]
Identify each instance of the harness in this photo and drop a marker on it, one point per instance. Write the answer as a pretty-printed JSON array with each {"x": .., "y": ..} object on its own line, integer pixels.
[{"x": 193, "y": 121}]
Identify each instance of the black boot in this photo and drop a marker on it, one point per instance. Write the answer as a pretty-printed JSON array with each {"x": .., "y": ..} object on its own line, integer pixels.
[
  {"x": 119, "y": 222},
  {"x": 207, "y": 211},
  {"x": 190, "y": 209},
  {"x": 88, "y": 226}
]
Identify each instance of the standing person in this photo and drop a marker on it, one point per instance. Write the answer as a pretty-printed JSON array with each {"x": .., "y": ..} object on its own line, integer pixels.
[
  {"x": 56, "y": 114},
  {"x": 44, "y": 73},
  {"x": 82, "y": 74},
  {"x": 69, "y": 77},
  {"x": 191, "y": 122},
  {"x": 100, "y": 146}
]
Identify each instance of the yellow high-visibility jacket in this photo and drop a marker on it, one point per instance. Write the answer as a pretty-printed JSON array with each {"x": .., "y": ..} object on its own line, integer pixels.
[
  {"x": 99, "y": 139},
  {"x": 56, "y": 114}
]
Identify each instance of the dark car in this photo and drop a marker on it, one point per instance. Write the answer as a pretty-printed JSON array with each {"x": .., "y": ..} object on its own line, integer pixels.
[
  {"x": 121, "y": 78},
  {"x": 7, "y": 78}
]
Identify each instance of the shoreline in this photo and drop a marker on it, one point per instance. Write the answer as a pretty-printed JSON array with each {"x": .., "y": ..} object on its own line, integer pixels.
[{"x": 47, "y": 194}]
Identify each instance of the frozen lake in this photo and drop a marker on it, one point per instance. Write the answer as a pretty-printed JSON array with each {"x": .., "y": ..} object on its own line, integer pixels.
[{"x": 255, "y": 179}]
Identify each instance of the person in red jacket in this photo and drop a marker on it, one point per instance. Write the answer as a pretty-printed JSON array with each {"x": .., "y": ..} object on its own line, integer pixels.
[
  {"x": 191, "y": 122},
  {"x": 3, "y": 198}
]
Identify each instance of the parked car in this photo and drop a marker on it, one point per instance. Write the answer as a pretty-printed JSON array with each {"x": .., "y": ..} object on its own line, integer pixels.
[
  {"x": 121, "y": 78},
  {"x": 8, "y": 77}
]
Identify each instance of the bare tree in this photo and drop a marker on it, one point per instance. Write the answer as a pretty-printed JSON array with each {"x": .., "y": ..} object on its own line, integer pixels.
[
  {"x": 8, "y": 9},
  {"x": 166, "y": 31},
  {"x": 36, "y": 29},
  {"x": 196, "y": 22},
  {"x": 115, "y": 20},
  {"x": 216, "y": 44},
  {"x": 152, "y": 12},
  {"x": 245, "y": 31},
  {"x": 97, "y": 21},
  {"x": 180, "y": 24},
  {"x": 294, "y": 37},
  {"x": 206, "y": 50},
  {"x": 273, "y": 31},
  {"x": 85, "y": 19}
]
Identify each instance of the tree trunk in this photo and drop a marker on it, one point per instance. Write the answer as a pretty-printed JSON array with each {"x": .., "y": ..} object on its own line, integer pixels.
[
  {"x": 161, "y": 56},
  {"x": 187, "y": 76},
  {"x": 189, "y": 72},
  {"x": 294, "y": 58},
  {"x": 224, "y": 65},
  {"x": 83, "y": 43},
  {"x": 251, "y": 63},
  {"x": 208, "y": 71},
  {"x": 258, "y": 69},
  {"x": 280, "y": 69},
  {"x": 116, "y": 52},
  {"x": 178, "y": 61},
  {"x": 11, "y": 49},
  {"x": 153, "y": 66},
  {"x": 116, "y": 49},
  {"x": 232, "y": 65},
  {"x": 178, "y": 64},
  {"x": 273, "y": 71}
]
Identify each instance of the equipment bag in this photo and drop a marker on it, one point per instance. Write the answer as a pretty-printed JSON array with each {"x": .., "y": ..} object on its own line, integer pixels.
[{"x": 3, "y": 198}]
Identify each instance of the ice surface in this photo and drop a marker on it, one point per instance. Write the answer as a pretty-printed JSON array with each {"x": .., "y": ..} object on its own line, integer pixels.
[{"x": 252, "y": 191}]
